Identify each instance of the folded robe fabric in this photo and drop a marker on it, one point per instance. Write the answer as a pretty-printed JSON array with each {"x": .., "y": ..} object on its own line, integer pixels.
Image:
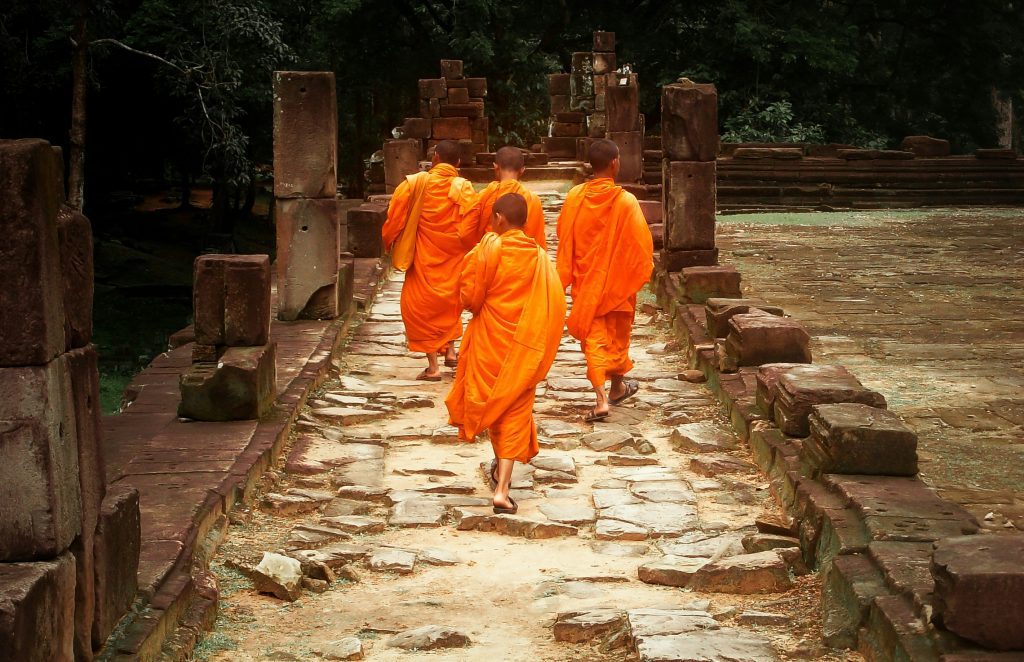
[
  {"x": 534, "y": 227},
  {"x": 518, "y": 307},
  {"x": 430, "y": 294}
]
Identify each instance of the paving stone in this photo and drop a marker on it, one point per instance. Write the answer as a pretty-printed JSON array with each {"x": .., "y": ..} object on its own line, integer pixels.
[
  {"x": 763, "y": 618},
  {"x": 363, "y": 493},
  {"x": 437, "y": 556},
  {"x": 342, "y": 507},
  {"x": 468, "y": 519},
  {"x": 701, "y": 438},
  {"x": 608, "y": 440},
  {"x": 288, "y": 504},
  {"x": 562, "y": 463},
  {"x": 617, "y": 549},
  {"x": 644, "y": 474},
  {"x": 610, "y": 529},
  {"x": 542, "y": 477},
  {"x": 706, "y": 646},
  {"x": 578, "y": 627},
  {"x": 349, "y": 648},
  {"x": 617, "y": 460},
  {"x": 662, "y": 622},
  {"x": 717, "y": 465},
  {"x": 669, "y": 491},
  {"x": 670, "y": 571},
  {"x": 429, "y": 637},
  {"x": 613, "y": 497},
  {"x": 572, "y": 512},
  {"x": 333, "y": 556},
  {"x": 762, "y": 542},
  {"x": 306, "y": 536},
  {"x": 279, "y": 575},
  {"x": 671, "y": 385},
  {"x": 354, "y": 524},
  {"x": 745, "y": 574},
  {"x": 570, "y": 384},
  {"x": 349, "y": 415},
  {"x": 555, "y": 428},
  {"x": 388, "y": 559},
  {"x": 667, "y": 520},
  {"x": 700, "y": 545},
  {"x": 417, "y": 513}
]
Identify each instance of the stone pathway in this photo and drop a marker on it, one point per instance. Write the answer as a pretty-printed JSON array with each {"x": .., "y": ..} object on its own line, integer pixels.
[{"x": 649, "y": 534}]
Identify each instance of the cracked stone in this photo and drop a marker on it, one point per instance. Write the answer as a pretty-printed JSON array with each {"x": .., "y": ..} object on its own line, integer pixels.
[
  {"x": 429, "y": 637},
  {"x": 666, "y": 520},
  {"x": 578, "y": 627},
  {"x": 663, "y": 622},
  {"x": 307, "y": 535},
  {"x": 670, "y": 571},
  {"x": 563, "y": 463},
  {"x": 669, "y": 491},
  {"x": 510, "y": 525},
  {"x": 606, "y": 498},
  {"x": 417, "y": 513},
  {"x": 350, "y": 415},
  {"x": 610, "y": 529},
  {"x": 287, "y": 504},
  {"x": 701, "y": 438},
  {"x": 388, "y": 559},
  {"x": 354, "y": 524},
  {"x": 608, "y": 440},
  {"x": 574, "y": 513},
  {"x": 279, "y": 575},
  {"x": 762, "y": 542}
]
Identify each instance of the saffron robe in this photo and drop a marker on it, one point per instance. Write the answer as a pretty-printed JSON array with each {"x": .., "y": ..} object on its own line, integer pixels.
[
  {"x": 430, "y": 294},
  {"x": 605, "y": 256},
  {"x": 534, "y": 227},
  {"x": 518, "y": 307}
]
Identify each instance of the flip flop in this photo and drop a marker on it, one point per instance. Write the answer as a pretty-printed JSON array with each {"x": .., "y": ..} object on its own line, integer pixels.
[
  {"x": 594, "y": 416},
  {"x": 632, "y": 386},
  {"x": 498, "y": 510},
  {"x": 424, "y": 377},
  {"x": 451, "y": 363},
  {"x": 491, "y": 479}
]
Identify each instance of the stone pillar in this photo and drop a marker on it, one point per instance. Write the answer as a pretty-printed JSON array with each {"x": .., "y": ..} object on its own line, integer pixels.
[
  {"x": 401, "y": 158},
  {"x": 305, "y": 187},
  {"x": 233, "y": 374},
  {"x": 689, "y": 128},
  {"x": 52, "y": 482}
]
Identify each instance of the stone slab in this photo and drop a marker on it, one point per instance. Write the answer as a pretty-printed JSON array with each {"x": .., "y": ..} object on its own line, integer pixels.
[
  {"x": 305, "y": 134},
  {"x": 308, "y": 254},
  {"x": 37, "y": 609}
]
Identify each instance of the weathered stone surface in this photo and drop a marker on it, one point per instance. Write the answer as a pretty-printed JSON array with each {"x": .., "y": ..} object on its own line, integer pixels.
[
  {"x": 231, "y": 300},
  {"x": 716, "y": 465},
  {"x": 702, "y": 545},
  {"x": 429, "y": 637},
  {"x": 762, "y": 542},
  {"x": 558, "y": 84},
  {"x": 74, "y": 233},
  {"x": 799, "y": 389},
  {"x": 608, "y": 440},
  {"x": 631, "y": 159},
  {"x": 349, "y": 648},
  {"x": 689, "y": 121},
  {"x": 288, "y": 504},
  {"x": 560, "y": 463},
  {"x": 763, "y": 618},
  {"x": 433, "y": 88},
  {"x": 401, "y": 158},
  {"x": 424, "y": 512},
  {"x": 480, "y": 519},
  {"x": 355, "y": 524},
  {"x": 308, "y": 250},
  {"x": 853, "y": 438},
  {"x": 701, "y": 438},
  {"x": 850, "y": 585},
  {"x": 670, "y": 570},
  {"x": 663, "y": 520},
  {"x": 349, "y": 415},
  {"x": 745, "y": 574},
  {"x": 610, "y": 529},
  {"x": 116, "y": 550},
  {"x": 621, "y": 106},
  {"x": 241, "y": 386},
  {"x": 389, "y": 559},
  {"x": 724, "y": 645},
  {"x": 37, "y": 610},
  {"x": 664, "y": 491},
  {"x": 757, "y": 337},
  {"x": 719, "y": 311},
  {"x": 690, "y": 617},
  {"x": 782, "y": 153},
  {"x": 702, "y": 283},
  {"x": 604, "y": 63},
  {"x": 578, "y": 627},
  {"x": 573, "y": 513},
  {"x": 925, "y": 146},
  {"x": 604, "y": 42},
  {"x": 335, "y": 556},
  {"x": 689, "y": 197},
  {"x": 979, "y": 588},
  {"x": 40, "y": 493},
  {"x": 767, "y": 377},
  {"x": 32, "y": 326},
  {"x": 607, "y": 497},
  {"x": 279, "y": 575},
  {"x": 364, "y": 230},
  {"x": 305, "y": 134}
]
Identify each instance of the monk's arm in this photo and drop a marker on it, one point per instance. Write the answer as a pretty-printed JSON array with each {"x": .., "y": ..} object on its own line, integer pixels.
[
  {"x": 468, "y": 208},
  {"x": 470, "y": 295},
  {"x": 398, "y": 213},
  {"x": 536, "y": 221}
]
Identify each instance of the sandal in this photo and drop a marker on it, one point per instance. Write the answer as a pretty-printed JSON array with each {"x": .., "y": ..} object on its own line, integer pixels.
[
  {"x": 427, "y": 377},
  {"x": 492, "y": 479},
  {"x": 595, "y": 416},
  {"x": 498, "y": 510},
  {"x": 632, "y": 386},
  {"x": 451, "y": 363}
]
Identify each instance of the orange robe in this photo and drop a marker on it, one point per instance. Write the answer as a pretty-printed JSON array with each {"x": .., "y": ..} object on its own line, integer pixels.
[
  {"x": 605, "y": 255},
  {"x": 534, "y": 227},
  {"x": 518, "y": 307},
  {"x": 430, "y": 294}
]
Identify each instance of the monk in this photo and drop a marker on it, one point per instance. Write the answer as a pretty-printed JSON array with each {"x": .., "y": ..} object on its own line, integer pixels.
[
  {"x": 439, "y": 210},
  {"x": 605, "y": 256},
  {"x": 509, "y": 166},
  {"x": 518, "y": 307}
]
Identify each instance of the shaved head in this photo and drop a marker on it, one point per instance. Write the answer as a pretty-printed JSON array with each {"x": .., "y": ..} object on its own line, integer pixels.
[
  {"x": 447, "y": 151},
  {"x": 510, "y": 158},
  {"x": 601, "y": 154},
  {"x": 513, "y": 207}
]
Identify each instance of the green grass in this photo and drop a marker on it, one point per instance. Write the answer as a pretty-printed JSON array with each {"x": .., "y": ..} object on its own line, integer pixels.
[{"x": 213, "y": 643}]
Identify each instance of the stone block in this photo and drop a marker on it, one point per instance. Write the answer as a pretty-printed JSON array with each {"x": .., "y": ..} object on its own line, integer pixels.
[
  {"x": 346, "y": 283},
  {"x": 416, "y": 127},
  {"x": 601, "y": 85},
  {"x": 559, "y": 103},
  {"x": 451, "y": 69},
  {"x": 800, "y": 389},
  {"x": 979, "y": 588},
  {"x": 849, "y": 587},
  {"x": 653, "y": 210},
  {"x": 852, "y": 438},
  {"x": 604, "y": 63},
  {"x": 206, "y": 353},
  {"x": 689, "y": 121},
  {"x": 451, "y": 128},
  {"x": 675, "y": 260},
  {"x": 631, "y": 158},
  {"x": 40, "y": 495},
  {"x": 305, "y": 134},
  {"x": 925, "y": 146},
  {"x": 583, "y": 63},
  {"x": 37, "y": 610},
  {"x": 477, "y": 87},
  {"x": 571, "y": 117},
  {"x": 458, "y": 95},
  {"x": 690, "y": 198},
  {"x": 998, "y": 153},
  {"x": 246, "y": 300},
  {"x": 718, "y": 312},
  {"x": 560, "y": 148},
  {"x": 433, "y": 88},
  {"x": 581, "y": 86},
  {"x": 116, "y": 558},
  {"x": 401, "y": 158},
  {"x": 74, "y": 234},
  {"x": 767, "y": 377},
  {"x": 241, "y": 386},
  {"x": 780, "y": 153},
  {"x": 558, "y": 84},
  {"x": 364, "y": 230},
  {"x": 604, "y": 42},
  {"x": 32, "y": 324},
  {"x": 308, "y": 240},
  {"x": 208, "y": 299},
  {"x": 622, "y": 105},
  {"x": 83, "y": 373},
  {"x": 567, "y": 129},
  {"x": 756, "y": 338},
  {"x": 702, "y": 283}
]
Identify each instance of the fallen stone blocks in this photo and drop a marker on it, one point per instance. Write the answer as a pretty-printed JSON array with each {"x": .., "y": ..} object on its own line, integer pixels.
[
  {"x": 702, "y": 283},
  {"x": 718, "y": 311},
  {"x": 853, "y": 438},
  {"x": 240, "y": 385},
  {"x": 365, "y": 223},
  {"x": 799, "y": 389},
  {"x": 757, "y": 337}
]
